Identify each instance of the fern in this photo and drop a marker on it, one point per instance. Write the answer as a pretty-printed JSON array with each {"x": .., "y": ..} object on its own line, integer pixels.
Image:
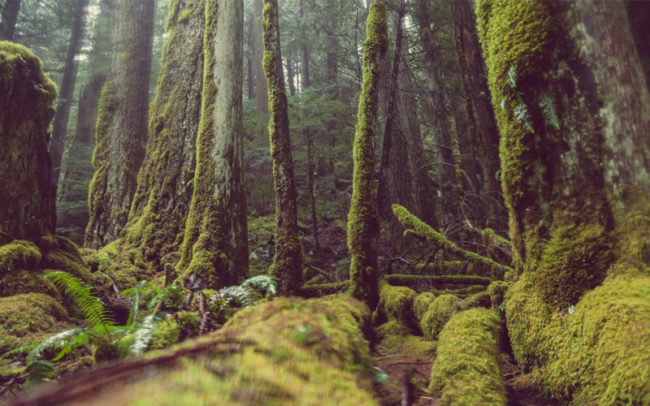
[
  {"x": 261, "y": 283},
  {"x": 523, "y": 116},
  {"x": 39, "y": 371},
  {"x": 511, "y": 77},
  {"x": 236, "y": 294},
  {"x": 546, "y": 103},
  {"x": 143, "y": 335},
  {"x": 90, "y": 306},
  {"x": 57, "y": 341}
]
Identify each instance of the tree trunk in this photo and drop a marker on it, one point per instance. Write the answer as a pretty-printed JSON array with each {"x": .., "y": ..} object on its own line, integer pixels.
[
  {"x": 305, "y": 52},
  {"x": 26, "y": 193},
  {"x": 312, "y": 195},
  {"x": 363, "y": 223},
  {"x": 290, "y": 77},
  {"x": 215, "y": 247},
  {"x": 261, "y": 92},
  {"x": 250, "y": 56},
  {"x": 165, "y": 182},
  {"x": 77, "y": 171},
  {"x": 121, "y": 130},
  {"x": 287, "y": 262},
  {"x": 575, "y": 173},
  {"x": 484, "y": 135},
  {"x": 9, "y": 17},
  {"x": 66, "y": 91}
]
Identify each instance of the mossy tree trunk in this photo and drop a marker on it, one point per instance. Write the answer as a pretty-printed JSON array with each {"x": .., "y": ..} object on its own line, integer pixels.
[
  {"x": 77, "y": 170},
  {"x": 121, "y": 130},
  {"x": 9, "y": 18},
  {"x": 574, "y": 156},
  {"x": 215, "y": 247},
  {"x": 261, "y": 90},
  {"x": 363, "y": 227},
  {"x": 26, "y": 108},
  {"x": 66, "y": 91},
  {"x": 165, "y": 182},
  {"x": 287, "y": 261}
]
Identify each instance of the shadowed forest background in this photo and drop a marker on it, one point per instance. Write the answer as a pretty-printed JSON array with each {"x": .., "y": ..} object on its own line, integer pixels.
[{"x": 324, "y": 202}]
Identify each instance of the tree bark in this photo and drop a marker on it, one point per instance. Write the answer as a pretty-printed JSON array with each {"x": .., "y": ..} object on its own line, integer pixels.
[
  {"x": 9, "y": 17},
  {"x": 66, "y": 91},
  {"x": 305, "y": 52},
  {"x": 122, "y": 123},
  {"x": 575, "y": 168},
  {"x": 165, "y": 182},
  {"x": 215, "y": 247},
  {"x": 363, "y": 223},
  {"x": 261, "y": 91}
]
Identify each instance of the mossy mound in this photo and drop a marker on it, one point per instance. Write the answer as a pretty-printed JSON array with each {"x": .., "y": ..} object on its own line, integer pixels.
[
  {"x": 19, "y": 255},
  {"x": 437, "y": 315},
  {"x": 467, "y": 371},
  {"x": 174, "y": 329},
  {"x": 421, "y": 304},
  {"x": 24, "y": 281},
  {"x": 409, "y": 346},
  {"x": 397, "y": 302},
  {"x": 596, "y": 354},
  {"x": 118, "y": 264},
  {"x": 28, "y": 318},
  {"x": 63, "y": 255}
]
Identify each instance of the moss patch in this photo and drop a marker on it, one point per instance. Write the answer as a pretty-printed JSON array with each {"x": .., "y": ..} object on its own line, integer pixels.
[
  {"x": 467, "y": 371},
  {"x": 397, "y": 302},
  {"x": 174, "y": 329},
  {"x": 421, "y": 304},
  {"x": 438, "y": 314},
  {"x": 18, "y": 255}
]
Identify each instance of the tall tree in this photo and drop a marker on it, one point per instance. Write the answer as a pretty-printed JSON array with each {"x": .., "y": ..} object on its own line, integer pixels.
[
  {"x": 215, "y": 247},
  {"x": 77, "y": 170},
  {"x": 66, "y": 90},
  {"x": 363, "y": 223},
  {"x": 164, "y": 193},
  {"x": 575, "y": 171},
  {"x": 287, "y": 262},
  {"x": 122, "y": 123},
  {"x": 9, "y": 16},
  {"x": 261, "y": 91}
]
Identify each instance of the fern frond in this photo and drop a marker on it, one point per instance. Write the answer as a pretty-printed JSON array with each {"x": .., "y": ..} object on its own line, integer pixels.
[
  {"x": 143, "y": 335},
  {"x": 19, "y": 350},
  {"x": 261, "y": 283},
  {"x": 523, "y": 116},
  {"x": 54, "y": 342},
  {"x": 90, "y": 306},
  {"x": 511, "y": 77},
  {"x": 547, "y": 104},
  {"x": 237, "y": 294}
]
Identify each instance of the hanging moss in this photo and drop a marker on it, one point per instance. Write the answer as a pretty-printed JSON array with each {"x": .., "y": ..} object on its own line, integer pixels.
[
  {"x": 466, "y": 370},
  {"x": 26, "y": 108},
  {"x": 363, "y": 223},
  {"x": 287, "y": 261},
  {"x": 165, "y": 182}
]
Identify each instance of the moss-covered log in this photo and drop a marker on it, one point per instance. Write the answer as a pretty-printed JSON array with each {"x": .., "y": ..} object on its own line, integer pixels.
[
  {"x": 415, "y": 226},
  {"x": 288, "y": 351},
  {"x": 26, "y": 108},
  {"x": 575, "y": 167},
  {"x": 399, "y": 279},
  {"x": 466, "y": 371},
  {"x": 287, "y": 261},
  {"x": 121, "y": 130},
  {"x": 166, "y": 179},
  {"x": 363, "y": 223}
]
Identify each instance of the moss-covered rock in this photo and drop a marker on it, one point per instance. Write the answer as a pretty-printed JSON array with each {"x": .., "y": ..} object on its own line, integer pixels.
[
  {"x": 421, "y": 304},
  {"x": 63, "y": 255},
  {"x": 25, "y": 281},
  {"x": 29, "y": 318},
  {"x": 466, "y": 371},
  {"x": 19, "y": 255},
  {"x": 397, "y": 302},
  {"x": 438, "y": 314},
  {"x": 26, "y": 108},
  {"x": 174, "y": 329}
]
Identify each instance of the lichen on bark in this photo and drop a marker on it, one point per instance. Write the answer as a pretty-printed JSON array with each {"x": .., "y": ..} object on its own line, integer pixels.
[
  {"x": 215, "y": 246},
  {"x": 363, "y": 227},
  {"x": 26, "y": 108},
  {"x": 287, "y": 261}
]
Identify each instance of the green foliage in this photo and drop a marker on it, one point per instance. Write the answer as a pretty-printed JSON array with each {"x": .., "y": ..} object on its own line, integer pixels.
[{"x": 247, "y": 294}]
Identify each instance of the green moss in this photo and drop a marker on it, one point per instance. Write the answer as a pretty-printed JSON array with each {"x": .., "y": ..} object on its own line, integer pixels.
[
  {"x": 409, "y": 346},
  {"x": 466, "y": 371},
  {"x": 119, "y": 265},
  {"x": 363, "y": 223},
  {"x": 25, "y": 281},
  {"x": 497, "y": 291},
  {"x": 397, "y": 302},
  {"x": 438, "y": 314},
  {"x": 421, "y": 304},
  {"x": 413, "y": 225},
  {"x": 18, "y": 255},
  {"x": 174, "y": 329},
  {"x": 63, "y": 255},
  {"x": 28, "y": 318}
]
